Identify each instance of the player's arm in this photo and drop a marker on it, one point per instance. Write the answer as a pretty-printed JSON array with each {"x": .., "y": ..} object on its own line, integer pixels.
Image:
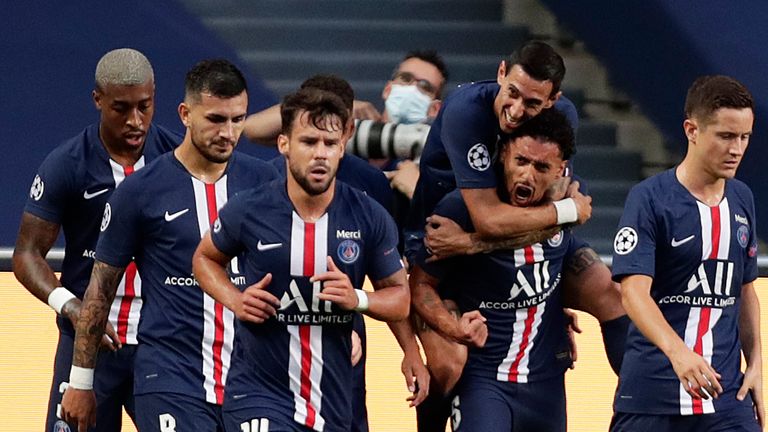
[
  {"x": 494, "y": 219},
  {"x": 390, "y": 300},
  {"x": 264, "y": 126},
  {"x": 470, "y": 329},
  {"x": 413, "y": 368},
  {"x": 749, "y": 334},
  {"x": 697, "y": 376},
  {"x": 78, "y": 405},
  {"x": 209, "y": 265},
  {"x": 36, "y": 237}
]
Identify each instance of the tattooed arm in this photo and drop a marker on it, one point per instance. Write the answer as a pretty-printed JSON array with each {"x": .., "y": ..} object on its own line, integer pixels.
[
  {"x": 469, "y": 329},
  {"x": 588, "y": 287},
  {"x": 78, "y": 405}
]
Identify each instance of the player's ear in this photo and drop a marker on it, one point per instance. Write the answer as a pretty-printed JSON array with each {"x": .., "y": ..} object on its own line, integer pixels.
[
  {"x": 96, "y": 96},
  {"x": 551, "y": 101},
  {"x": 183, "y": 111},
  {"x": 561, "y": 168},
  {"x": 502, "y": 72},
  {"x": 691, "y": 129},
  {"x": 282, "y": 144}
]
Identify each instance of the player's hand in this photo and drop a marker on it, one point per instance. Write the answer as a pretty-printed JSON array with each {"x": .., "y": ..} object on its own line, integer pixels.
[
  {"x": 698, "y": 377},
  {"x": 79, "y": 407},
  {"x": 357, "y": 348},
  {"x": 71, "y": 311},
  {"x": 256, "y": 304},
  {"x": 416, "y": 377},
  {"x": 404, "y": 178},
  {"x": 753, "y": 383},
  {"x": 445, "y": 238},
  {"x": 572, "y": 327},
  {"x": 337, "y": 287},
  {"x": 583, "y": 203},
  {"x": 364, "y": 110},
  {"x": 472, "y": 329}
]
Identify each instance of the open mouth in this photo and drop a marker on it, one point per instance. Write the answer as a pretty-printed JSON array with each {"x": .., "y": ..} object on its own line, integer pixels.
[{"x": 522, "y": 194}]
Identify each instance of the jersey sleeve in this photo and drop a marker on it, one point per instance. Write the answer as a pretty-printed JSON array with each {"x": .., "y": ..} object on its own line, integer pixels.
[
  {"x": 452, "y": 207},
  {"x": 121, "y": 224},
  {"x": 227, "y": 227},
  {"x": 53, "y": 188},
  {"x": 635, "y": 242},
  {"x": 469, "y": 140},
  {"x": 382, "y": 250},
  {"x": 750, "y": 264}
]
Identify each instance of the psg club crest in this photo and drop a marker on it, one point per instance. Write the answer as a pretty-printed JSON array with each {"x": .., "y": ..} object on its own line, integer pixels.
[
  {"x": 61, "y": 426},
  {"x": 348, "y": 251},
  {"x": 743, "y": 235},
  {"x": 556, "y": 239}
]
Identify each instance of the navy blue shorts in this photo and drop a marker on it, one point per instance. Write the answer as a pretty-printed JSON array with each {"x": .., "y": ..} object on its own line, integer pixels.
[
  {"x": 484, "y": 404},
  {"x": 741, "y": 419},
  {"x": 175, "y": 412},
  {"x": 113, "y": 385}
]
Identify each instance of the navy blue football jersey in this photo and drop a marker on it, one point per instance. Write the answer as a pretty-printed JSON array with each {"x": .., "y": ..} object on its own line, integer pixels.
[
  {"x": 158, "y": 216},
  {"x": 297, "y": 364},
  {"x": 70, "y": 189},
  {"x": 699, "y": 257},
  {"x": 518, "y": 292}
]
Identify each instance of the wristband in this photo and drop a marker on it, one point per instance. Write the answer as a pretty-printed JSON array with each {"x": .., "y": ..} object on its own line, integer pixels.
[
  {"x": 362, "y": 300},
  {"x": 58, "y": 298},
  {"x": 566, "y": 211},
  {"x": 81, "y": 378}
]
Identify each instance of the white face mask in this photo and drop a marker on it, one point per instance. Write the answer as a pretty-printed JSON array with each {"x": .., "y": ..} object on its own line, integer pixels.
[{"x": 406, "y": 104}]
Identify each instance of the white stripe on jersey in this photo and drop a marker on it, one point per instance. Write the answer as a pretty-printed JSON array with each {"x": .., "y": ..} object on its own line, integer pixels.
[
  {"x": 535, "y": 250},
  {"x": 134, "y": 312},
  {"x": 708, "y": 228},
  {"x": 707, "y": 348},
  {"x": 306, "y": 385},
  {"x": 209, "y": 304},
  {"x": 515, "y": 360}
]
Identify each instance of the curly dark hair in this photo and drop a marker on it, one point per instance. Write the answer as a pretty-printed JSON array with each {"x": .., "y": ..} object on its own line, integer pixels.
[{"x": 551, "y": 126}]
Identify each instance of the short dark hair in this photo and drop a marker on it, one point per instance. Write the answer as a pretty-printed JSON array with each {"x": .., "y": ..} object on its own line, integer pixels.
[
  {"x": 433, "y": 58},
  {"x": 540, "y": 61},
  {"x": 334, "y": 84},
  {"x": 549, "y": 126},
  {"x": 218, "y": 77},
  {"x": 709, "y": 93},
  {"x": 318, "y": 103}
]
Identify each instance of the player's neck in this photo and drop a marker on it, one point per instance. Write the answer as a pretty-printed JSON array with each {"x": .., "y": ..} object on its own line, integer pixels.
[
  {"x": 197, "y": 165},
  {"x": 703, "y": 186},
  {"x": 309, "y": 207}
]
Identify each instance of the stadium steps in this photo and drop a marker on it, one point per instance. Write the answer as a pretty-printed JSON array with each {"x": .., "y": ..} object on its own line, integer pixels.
[{"x": 286, "y": 41}]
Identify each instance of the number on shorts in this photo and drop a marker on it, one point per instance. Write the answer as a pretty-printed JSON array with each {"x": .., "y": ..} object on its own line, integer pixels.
[
  {"x": 455, "y": 413},
  {"x": 255, "y": 425},
  {"x": 167, "y": 423}
]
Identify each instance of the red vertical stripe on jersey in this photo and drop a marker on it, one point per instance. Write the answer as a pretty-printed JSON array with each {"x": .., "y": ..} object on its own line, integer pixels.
[
  {"x": 698, "y": 346},
  {"x": 130, "y": 289},
  {"x": 125, "y": 303},
  {"x": 715, "y": 232},
  {"x": 309, "y": 249},
  {"x": 513, "y": 369},
  {"x": 528, "y": 251},
  {"x": 218, "y": 320},
  {"x": 306, "y": 366}
]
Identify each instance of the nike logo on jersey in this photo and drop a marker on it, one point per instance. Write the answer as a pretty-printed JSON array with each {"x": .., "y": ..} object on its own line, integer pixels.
[
  {"x": 171, "y": 216},
  {"x": 88, "y": 196},
  {"x": 676, "y": 243},
  {"x": 268, "y": 246}
]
